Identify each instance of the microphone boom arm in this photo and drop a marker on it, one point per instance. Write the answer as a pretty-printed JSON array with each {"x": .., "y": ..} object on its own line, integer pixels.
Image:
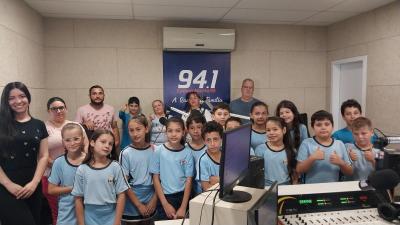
[
  {"x": 179, "y": 111},
  {"x": 240, "y": 116},
  {"x": 187, "y": 114}
]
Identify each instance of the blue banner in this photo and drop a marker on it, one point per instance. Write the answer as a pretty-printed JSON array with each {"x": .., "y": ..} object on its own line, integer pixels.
[{"x": 209, "y": 74}]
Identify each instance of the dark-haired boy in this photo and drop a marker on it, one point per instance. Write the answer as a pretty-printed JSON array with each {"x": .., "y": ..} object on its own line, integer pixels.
[
  {"x": 221, "y": 113},
  {"x": 209, "y": 161},
  {"x": 195, "y": 124},
  {"x": 321, "y": 157},
  {"x": 350, "y": 111}
]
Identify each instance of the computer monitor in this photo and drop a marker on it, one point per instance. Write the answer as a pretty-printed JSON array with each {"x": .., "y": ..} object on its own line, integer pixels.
[{"x": 234, "y": 163}]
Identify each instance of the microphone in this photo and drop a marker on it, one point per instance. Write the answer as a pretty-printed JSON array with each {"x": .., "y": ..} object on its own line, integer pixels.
[
  {"x": 384, "y": 141},
  {"x": 381, "y": 180},
  {"x": 163, "y": 121},
  {"x": 384, "y": 179}
]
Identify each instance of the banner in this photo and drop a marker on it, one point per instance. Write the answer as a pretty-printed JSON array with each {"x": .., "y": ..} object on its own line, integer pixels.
[{"x": 209, "y": 74}]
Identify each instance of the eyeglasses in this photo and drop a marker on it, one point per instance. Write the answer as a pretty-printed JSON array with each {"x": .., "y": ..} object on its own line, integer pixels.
[{"x": 56, "y": 109}]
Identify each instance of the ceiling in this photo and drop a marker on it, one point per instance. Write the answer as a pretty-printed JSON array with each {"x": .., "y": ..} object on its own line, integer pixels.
[{"x": 296, "y": 12}]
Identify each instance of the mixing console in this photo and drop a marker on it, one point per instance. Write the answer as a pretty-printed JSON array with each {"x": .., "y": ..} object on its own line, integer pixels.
[{"x": 328, "y": 204}]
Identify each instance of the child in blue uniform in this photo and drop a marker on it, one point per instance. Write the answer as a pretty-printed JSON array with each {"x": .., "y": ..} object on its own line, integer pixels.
[
  {"x": 63, "y": 171},
  {"x": 195, "y": 124},
  {"x": 321, "y": 158},
  {"x": 99, "y": 185},
  {"x": 209, "y": 161},
  {"x": 258, "y": 115},
  {"x": 362, "y": 153},
  {"x": 172, "y": 168},
  {"x": 135, "y": 161},
  {"x": 287, "y": 110},
  {"x": 278, "y": 153}
]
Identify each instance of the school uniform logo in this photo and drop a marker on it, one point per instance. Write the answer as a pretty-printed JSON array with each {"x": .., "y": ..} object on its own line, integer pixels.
[
  {"x": 111, "y": 179},
  {"x": 182, "y": 162}
]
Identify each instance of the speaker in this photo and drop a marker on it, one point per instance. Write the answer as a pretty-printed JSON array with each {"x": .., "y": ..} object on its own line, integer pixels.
[{"x": 255, "y": 177}]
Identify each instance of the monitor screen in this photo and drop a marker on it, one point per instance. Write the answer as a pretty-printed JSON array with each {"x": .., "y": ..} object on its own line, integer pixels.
[{"x": 235, "y": 159}]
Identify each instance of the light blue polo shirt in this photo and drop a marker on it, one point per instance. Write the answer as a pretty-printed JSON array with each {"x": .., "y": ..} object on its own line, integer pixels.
[
  {"x": 99, "y": 188},
  {"x": 197, "y": 153},
  {"x": 63, "y": 174},
  {"x": 173, "y": 166},
  {"x": 322, "y": 171},
  {"x": 257, "y": 138},
  {"x": 135, "y": 163},
  {"x": 208, "y": 167},
  {"x": 275, "y": 165},
  {"x": 361, "y": 167}
]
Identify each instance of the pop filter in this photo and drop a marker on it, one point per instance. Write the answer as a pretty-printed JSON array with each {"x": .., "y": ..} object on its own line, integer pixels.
[{"x": 383, "y": 179}]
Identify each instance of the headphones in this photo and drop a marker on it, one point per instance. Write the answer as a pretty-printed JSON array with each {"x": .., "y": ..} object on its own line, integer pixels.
[{"x": 388, "y": 211}]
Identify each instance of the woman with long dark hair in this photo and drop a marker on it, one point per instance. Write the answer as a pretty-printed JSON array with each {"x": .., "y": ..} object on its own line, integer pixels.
[{"x": 23, "y": 157}]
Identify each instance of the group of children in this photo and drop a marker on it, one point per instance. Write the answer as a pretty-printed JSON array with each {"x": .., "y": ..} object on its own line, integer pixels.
[
  {"x": 157, "y": 181},
  {"x": 291, "y": 157}
]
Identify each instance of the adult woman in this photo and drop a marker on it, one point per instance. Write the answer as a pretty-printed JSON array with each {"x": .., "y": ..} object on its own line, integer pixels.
[
  {"x": 57, "y": 110},
  {"x": 157, "y": 131},
  {"x": 23, "y": 157},
  {"x": 193, "y": 103}
]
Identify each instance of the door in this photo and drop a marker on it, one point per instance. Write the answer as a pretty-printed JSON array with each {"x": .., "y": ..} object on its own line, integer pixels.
[{"x": 349, "y": 78}]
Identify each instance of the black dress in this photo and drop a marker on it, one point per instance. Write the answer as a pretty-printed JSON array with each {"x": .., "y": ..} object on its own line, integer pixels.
[{"x": 18, "y": 159}]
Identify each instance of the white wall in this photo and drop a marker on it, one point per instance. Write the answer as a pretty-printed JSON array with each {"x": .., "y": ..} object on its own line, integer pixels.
[
  {"x": 286, "y": 62},
  {"x": 21, "y": 50},
  {"x": 66, "y": 56},
  {"x": 376, "y": 34}
]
